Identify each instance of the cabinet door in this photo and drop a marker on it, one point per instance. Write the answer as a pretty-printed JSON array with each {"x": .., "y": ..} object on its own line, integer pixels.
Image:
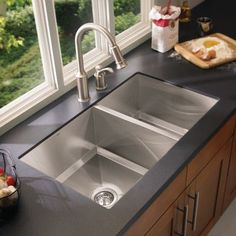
[
  {"x": 207, "y": 192},
  {"x": 164, "y": 225},
  {"x": 230, "y": 192},
  {"x": 158, "y": 208},
  {"x": 209, "y": 151},
  {"x": 174, "y": 221}
]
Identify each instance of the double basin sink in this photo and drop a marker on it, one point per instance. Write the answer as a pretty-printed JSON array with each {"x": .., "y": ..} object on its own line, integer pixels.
[{"x": 106, "y": 150}]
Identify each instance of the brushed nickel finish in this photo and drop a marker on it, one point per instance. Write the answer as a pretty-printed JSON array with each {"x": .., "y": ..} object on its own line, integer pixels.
[{"x": 81, "y": 75}]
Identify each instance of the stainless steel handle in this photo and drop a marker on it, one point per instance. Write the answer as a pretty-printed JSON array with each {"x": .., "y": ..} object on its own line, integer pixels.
[
  {"x": 185, "y": 221},
  {"x": 195, "y": 210},
  {"x": 107, "y": 69}
]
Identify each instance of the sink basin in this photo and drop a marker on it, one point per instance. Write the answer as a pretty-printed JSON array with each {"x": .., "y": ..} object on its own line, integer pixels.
[
  {"x": 105, "y": 151},
  {"x": 160, "y": 104}
]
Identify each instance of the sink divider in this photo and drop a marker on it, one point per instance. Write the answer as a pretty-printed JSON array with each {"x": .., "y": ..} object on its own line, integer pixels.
[
  {"x": 161, "y": 123},
  {"x": 169, "y": 133},
  {"x": 122, "y": 161}
]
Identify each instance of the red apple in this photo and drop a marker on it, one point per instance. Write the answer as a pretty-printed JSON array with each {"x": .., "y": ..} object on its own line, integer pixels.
[{"x": 10, "y": 180}]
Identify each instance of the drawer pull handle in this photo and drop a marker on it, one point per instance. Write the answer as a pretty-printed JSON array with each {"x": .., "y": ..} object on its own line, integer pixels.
[
  {"x": 193, "y": 222},
  {"x": 185, "y": 221}
]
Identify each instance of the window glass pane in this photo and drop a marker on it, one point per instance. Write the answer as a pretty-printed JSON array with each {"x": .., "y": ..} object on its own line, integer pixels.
[
  {"x": 71, "y": 14},
  {"x": 127, "y": 14},
  {"x": 20, "y": 62}
]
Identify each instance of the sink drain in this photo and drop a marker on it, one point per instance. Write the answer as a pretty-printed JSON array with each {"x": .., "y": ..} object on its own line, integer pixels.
[{"x": 105, "y": 197}]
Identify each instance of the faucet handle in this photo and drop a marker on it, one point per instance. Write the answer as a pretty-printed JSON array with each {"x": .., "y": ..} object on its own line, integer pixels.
[{"x": 100, "y": 76}]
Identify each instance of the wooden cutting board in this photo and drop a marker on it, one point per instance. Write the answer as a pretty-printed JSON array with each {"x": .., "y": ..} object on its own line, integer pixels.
[{"x": 186, "y": 51}]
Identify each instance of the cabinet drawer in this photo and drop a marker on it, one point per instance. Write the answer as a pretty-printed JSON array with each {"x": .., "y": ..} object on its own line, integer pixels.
[{"x": 210, "y": 149}]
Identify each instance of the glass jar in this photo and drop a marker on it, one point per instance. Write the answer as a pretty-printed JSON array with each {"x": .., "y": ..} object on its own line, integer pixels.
[{"x": 185, "y": 15}]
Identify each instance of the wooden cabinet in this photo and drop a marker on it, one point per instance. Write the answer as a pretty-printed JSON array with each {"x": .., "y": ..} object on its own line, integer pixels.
[
  {"x": 174, "y": 221},
  {"x": 207, "y": 191},
  {"x": 197, "y": 208},
  {"x": 209, "y": 151},
  {"x": 158, "y": 207},
  {"x": 230, "y": 190}
]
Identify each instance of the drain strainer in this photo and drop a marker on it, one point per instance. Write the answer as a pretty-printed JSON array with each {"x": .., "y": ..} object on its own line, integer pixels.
[{"x": 105, "y": 197}]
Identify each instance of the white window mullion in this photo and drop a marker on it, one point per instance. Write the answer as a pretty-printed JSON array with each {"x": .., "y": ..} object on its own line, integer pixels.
[
  {"x": 42, "y": 32},
  {"x": 109, "y": 17},
  {"x": 53, "y": 59},
  {"x": 103, "y": 15},
  {"x": 96, "y": 19},
  {"x": 146, "y": 6}
]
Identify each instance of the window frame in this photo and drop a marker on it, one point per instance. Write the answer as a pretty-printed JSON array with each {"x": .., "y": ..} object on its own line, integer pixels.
[{"x": 59, "y": 79}]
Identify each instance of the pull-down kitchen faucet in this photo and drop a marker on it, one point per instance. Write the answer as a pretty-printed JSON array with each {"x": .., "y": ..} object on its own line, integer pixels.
[{"x": 81, "y": 75}]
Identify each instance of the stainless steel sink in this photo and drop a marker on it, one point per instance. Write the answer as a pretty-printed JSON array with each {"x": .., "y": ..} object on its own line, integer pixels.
[
  {"x": 101, "y": 154},
  {"x": 160, "y": 104},
  {"x": 106, "y": 150}
]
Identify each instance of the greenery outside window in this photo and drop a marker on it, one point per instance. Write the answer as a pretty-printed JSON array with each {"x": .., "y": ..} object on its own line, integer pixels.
[{"x": 127, "y": 14}]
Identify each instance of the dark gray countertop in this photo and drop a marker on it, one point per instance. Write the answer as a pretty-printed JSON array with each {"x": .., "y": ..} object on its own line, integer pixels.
[{"x": 50, "y": 208}]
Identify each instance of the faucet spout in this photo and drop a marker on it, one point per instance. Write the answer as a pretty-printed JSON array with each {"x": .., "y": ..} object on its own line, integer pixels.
[{"x": 81, "y": 75}]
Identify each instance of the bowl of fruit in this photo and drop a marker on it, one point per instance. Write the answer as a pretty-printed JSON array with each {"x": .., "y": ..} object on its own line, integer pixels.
[{"x": 9, "y": 184}]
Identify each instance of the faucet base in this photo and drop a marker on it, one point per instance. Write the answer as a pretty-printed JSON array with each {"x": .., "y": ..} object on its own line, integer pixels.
[
  {"x": 82, "y": 86},
  {"x": 83, "y": 100},
  {"x": 99, "y": 88}
]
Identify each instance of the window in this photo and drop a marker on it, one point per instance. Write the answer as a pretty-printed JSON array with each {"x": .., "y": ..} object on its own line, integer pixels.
[
  {"x": 20, "y": 60},
  {"x": 37, "y": 51}
]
